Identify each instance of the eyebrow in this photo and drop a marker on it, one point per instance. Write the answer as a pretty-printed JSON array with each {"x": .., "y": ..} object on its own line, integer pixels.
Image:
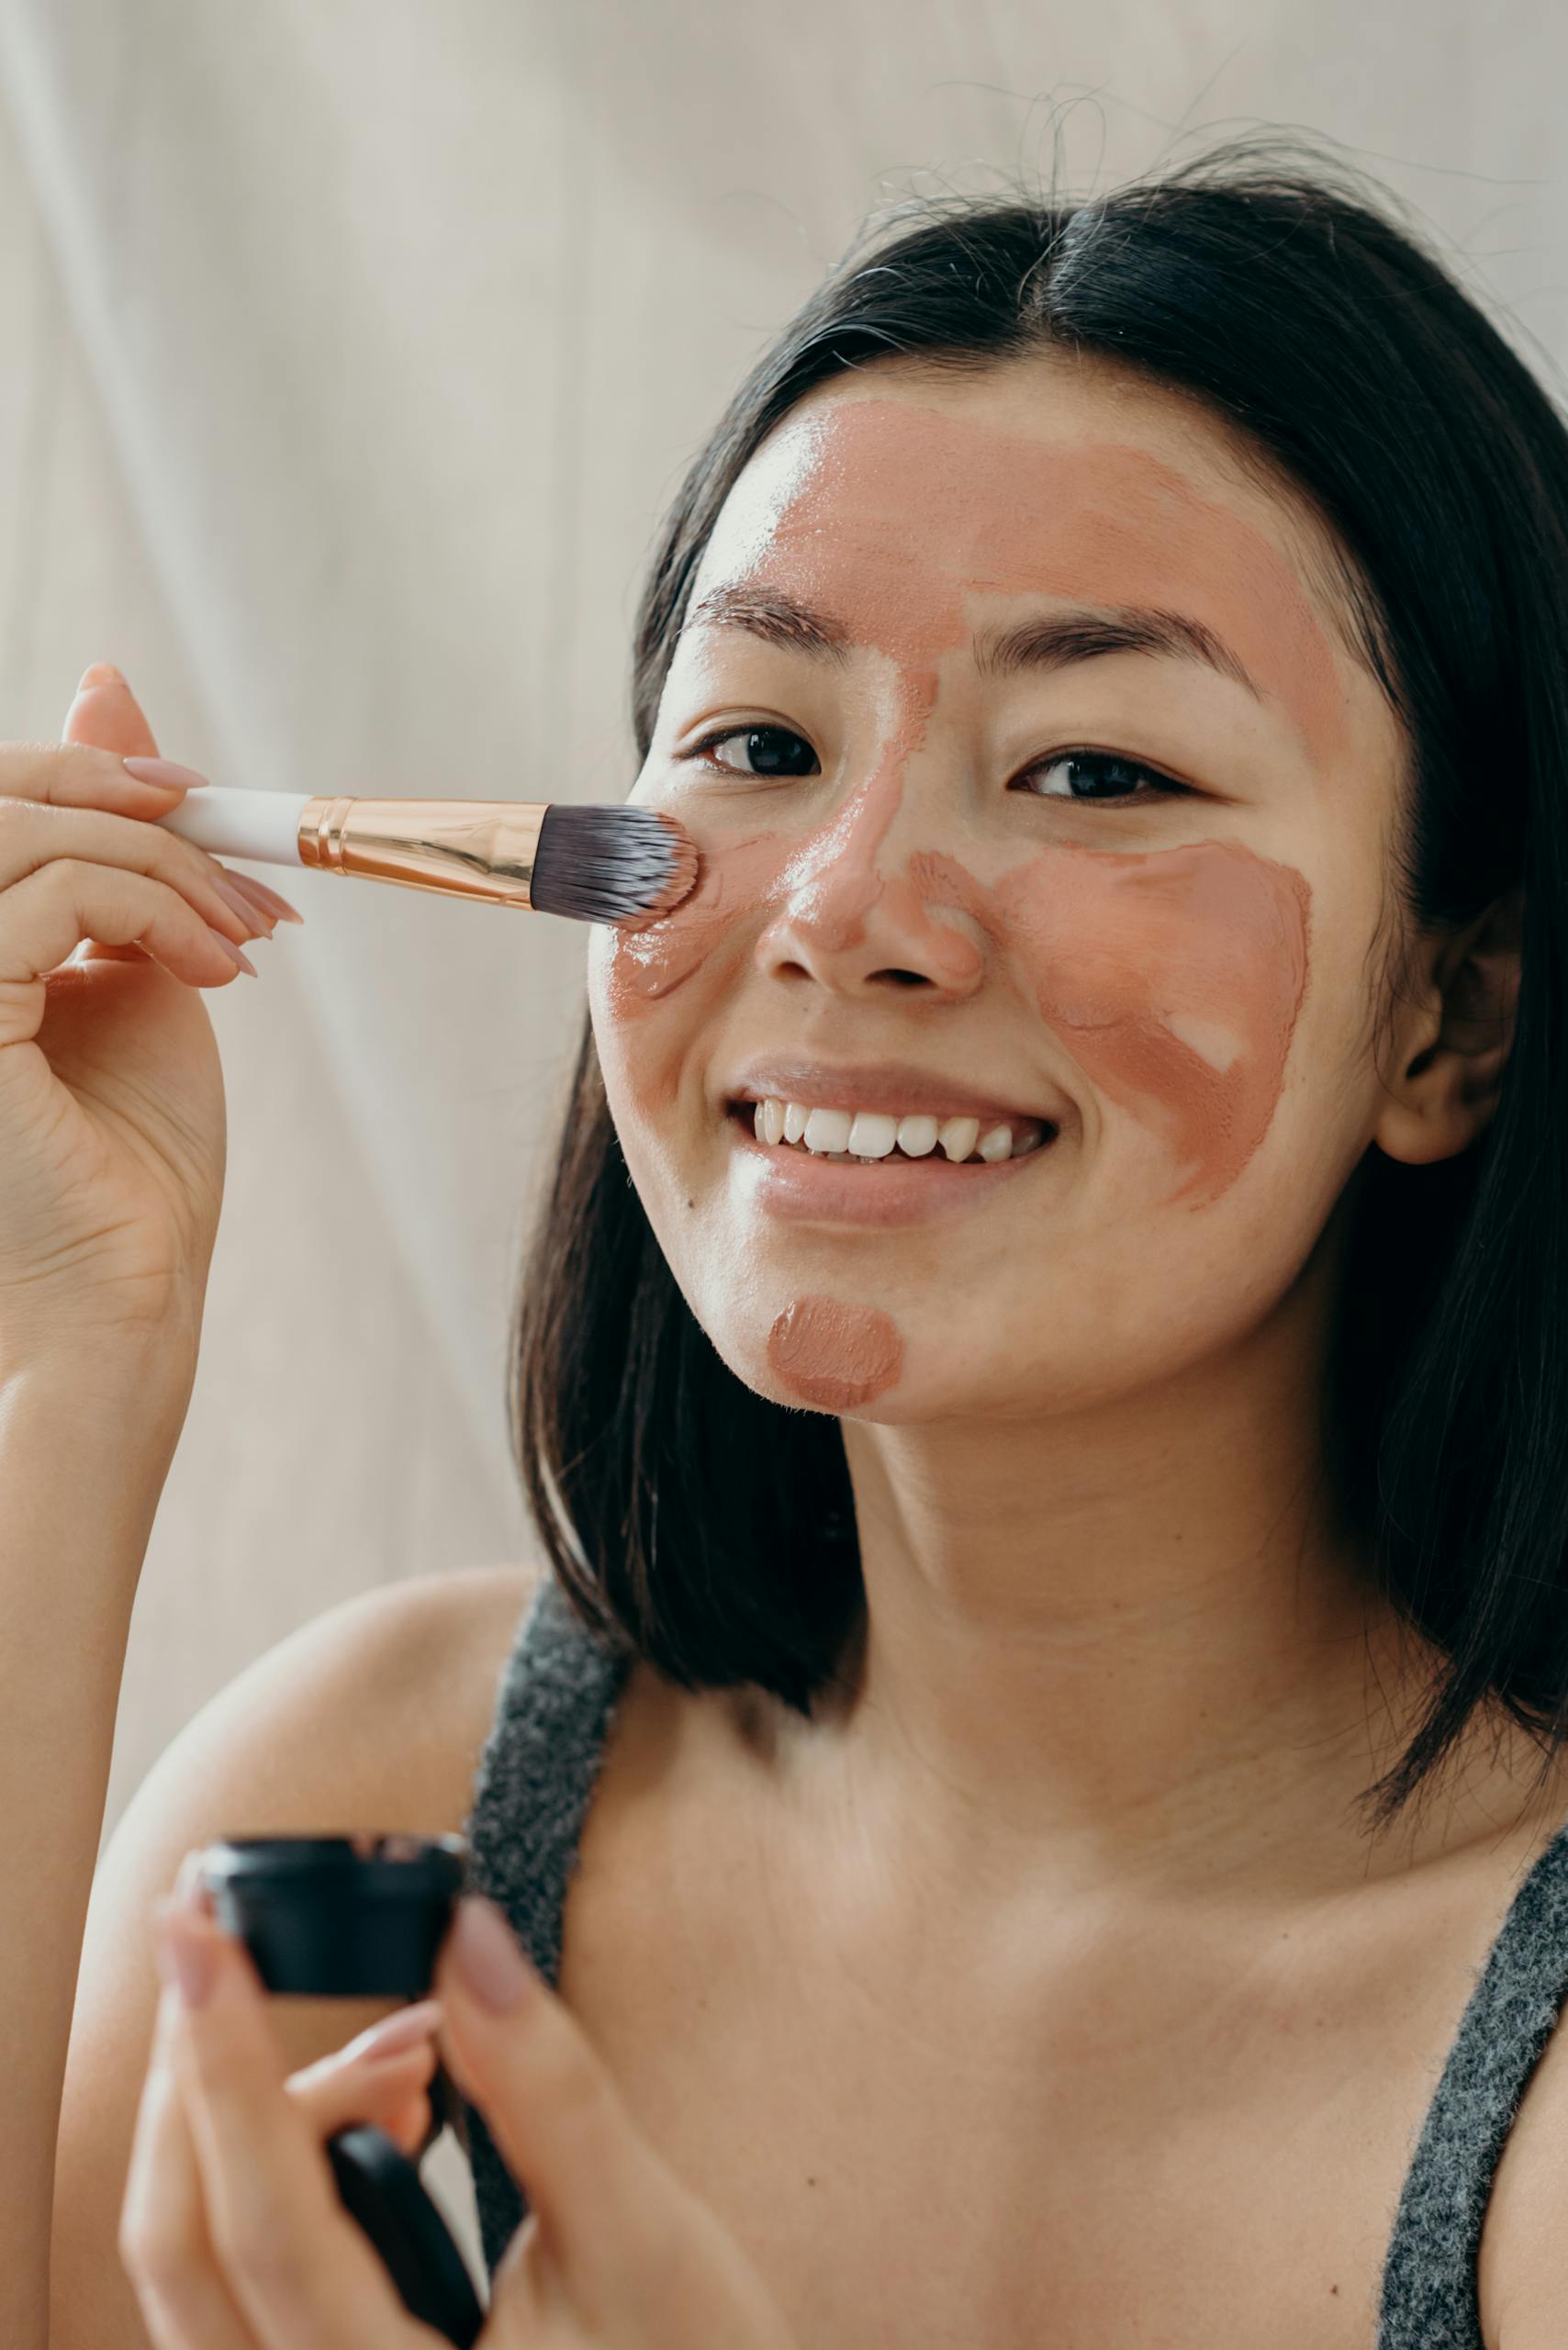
[
  {"x": 776, "y": 617},
  {"x": 1052, "y": 641}
]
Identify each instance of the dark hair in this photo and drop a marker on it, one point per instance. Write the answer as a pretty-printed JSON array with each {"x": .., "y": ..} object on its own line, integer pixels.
[{"x": 712, "y": 1532}]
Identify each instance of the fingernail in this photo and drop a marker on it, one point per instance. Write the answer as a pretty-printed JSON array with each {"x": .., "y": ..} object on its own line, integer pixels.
[
  {"x": 273, "y": 900},
  {"x": 189, "y": 1892},
  {"x": 395, "y": 2035},
  {"x": 484, "y": 1954},
  {"x": 249, "y": 912},
  {"x": 160, "y": 770},
  {"x": 233, "y": 952},
  {"x": 186, "y": 1956},
  {"x": 102, "y": 673}
]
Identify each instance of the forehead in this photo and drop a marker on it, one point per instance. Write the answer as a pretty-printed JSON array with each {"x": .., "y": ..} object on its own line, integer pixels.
[
  {"x": 898, "y": 499},
  {"x": 910, "y": 448}
]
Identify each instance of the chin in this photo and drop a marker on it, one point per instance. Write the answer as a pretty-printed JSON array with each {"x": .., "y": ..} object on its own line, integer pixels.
[{"x": 846, "y": 1361}]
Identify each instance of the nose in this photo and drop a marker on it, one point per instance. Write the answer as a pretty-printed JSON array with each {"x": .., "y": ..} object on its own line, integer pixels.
[{"x": 872, "y": 903}]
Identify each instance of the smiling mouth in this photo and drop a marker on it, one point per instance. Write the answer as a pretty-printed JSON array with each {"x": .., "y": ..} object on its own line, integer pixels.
[{"x": 878, "y": 1138}]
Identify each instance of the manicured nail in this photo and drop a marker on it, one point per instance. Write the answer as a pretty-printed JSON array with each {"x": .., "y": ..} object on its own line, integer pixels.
[
  {"x": 162, "y": 770},
  {"x": 488, "y": 1962},
  {"x": 102, "y": 673},
  {"x": 186, "y": 1954},
  {"x": 189, "y": 1892},
  {"x": 395, "y": 2035},
  {"x": 233, "y": 953},
  {"x": 246, "y": 907},
  {"x": 272, "y": 900}
]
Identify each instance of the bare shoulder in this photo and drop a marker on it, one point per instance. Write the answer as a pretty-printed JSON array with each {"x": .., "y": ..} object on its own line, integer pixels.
[{"x": 371, "y": 1716}]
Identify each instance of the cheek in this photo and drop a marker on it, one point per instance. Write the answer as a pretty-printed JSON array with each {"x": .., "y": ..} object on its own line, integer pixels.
[
  {"x": 1176, "y": 981},
  {"x": 643, "y": 968},
  {"x": 658, "y": 996}
]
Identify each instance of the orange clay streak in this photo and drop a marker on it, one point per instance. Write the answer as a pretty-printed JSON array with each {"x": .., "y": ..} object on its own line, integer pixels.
[
  {"x": 1125, "y": 952},
  {"x": 835, "y": 1356}
]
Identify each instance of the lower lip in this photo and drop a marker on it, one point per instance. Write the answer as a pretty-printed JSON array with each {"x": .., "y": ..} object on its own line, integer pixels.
[{"x": 788, "y": 1181}]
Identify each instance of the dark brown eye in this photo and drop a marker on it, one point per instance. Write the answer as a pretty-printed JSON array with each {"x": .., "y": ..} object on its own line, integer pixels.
[
  {"x": 1091, "y": 778},
  {"x": 772, "y": 750}
]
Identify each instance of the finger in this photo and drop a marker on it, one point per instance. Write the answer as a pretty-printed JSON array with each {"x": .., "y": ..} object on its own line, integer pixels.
[
  {"x": 300, "y": 2270},
  {"x": 382, "y": 2077},
  {"x": 44, "y": 918},
  {"x": 77, "y": 775},
  {"x": 517, "y": 2054},
  {"x": 32, "y": 838},
  {"x": 108, "y": 715},
  {"x": 163, "y": 2241},
  {"x": 104, "y": 726},
  {"x": 98, "y": 713}
]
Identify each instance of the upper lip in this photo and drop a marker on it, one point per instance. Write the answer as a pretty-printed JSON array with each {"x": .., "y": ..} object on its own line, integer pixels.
[{"x": 890, "y": 1086}]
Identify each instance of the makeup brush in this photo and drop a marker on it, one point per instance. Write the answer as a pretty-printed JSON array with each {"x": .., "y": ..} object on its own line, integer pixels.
[{"x": 628, "y": 866}]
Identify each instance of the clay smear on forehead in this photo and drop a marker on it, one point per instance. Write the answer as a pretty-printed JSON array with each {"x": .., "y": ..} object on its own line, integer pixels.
[
  {"x": 835, "y": 1356},
  {"x": 892, "y": 515}
]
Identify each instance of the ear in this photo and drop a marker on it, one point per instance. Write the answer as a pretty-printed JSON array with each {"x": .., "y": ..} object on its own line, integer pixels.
[{"x": 1453, "y": 1051}]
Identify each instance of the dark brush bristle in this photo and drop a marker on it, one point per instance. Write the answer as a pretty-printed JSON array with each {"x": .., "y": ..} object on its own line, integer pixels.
[{"x": 626, "y": 866}]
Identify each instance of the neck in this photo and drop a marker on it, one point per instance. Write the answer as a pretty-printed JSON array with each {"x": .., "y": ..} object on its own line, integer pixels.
[{"x": 1129, "y": 1642}]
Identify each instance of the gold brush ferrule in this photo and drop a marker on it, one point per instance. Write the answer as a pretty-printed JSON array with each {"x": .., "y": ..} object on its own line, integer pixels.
[{"x": 464, "y": 849}]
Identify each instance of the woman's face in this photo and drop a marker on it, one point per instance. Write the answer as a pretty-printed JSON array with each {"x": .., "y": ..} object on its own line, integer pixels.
[{"x": 1045, "y": 819}]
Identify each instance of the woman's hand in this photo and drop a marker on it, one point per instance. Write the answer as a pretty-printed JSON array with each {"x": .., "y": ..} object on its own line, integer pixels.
[
  {"x": 111, "y": 1096},
  {"x": 232, "y": 2232}
]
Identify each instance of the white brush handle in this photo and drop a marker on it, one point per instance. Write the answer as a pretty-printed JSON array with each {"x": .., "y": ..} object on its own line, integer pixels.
[{"x": 261, "y": 825}]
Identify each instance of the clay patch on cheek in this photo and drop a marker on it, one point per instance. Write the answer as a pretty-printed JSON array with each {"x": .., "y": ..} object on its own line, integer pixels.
[
  {"x": 646, "y": 965},
  {"x": 835, "y": 1356},
  {"x": 1177, "y": 978}
]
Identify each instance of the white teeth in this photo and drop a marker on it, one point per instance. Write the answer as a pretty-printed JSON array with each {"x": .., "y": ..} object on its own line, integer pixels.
[
  {"x": 872, "y": 1136},
  {"x": 827, "y": 1130},
  {"x": 917, "y": 1136}
]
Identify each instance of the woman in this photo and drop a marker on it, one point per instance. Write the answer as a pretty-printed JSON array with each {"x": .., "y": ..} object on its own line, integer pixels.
[{"x": 1052, "y": 1471}]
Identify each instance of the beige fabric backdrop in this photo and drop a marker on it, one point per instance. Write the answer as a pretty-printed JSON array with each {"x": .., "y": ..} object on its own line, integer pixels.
[{"x": 352, "y": 348}]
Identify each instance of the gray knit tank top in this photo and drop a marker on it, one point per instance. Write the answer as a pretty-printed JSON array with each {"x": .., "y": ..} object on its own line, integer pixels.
[{"x": 555, "y": 1701}]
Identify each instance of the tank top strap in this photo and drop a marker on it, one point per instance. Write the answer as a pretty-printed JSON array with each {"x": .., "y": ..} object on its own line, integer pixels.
[
  {"x": 1430, "y": 2298},
  {"x": 536, "y": 1780}
]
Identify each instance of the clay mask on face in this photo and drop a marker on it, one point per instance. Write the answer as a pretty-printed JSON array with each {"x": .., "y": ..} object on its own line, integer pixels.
[
  {"x": 838, "y": 1357},
  {"x": 891, "y": 518},
  {"x": 1174, "y": 977}
]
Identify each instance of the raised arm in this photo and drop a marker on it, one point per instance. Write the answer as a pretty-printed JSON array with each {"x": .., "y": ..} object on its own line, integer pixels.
[{"x": 111, "y": 1173}]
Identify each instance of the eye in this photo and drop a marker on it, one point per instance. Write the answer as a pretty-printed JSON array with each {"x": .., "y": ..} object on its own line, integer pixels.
[
  {"x": 772, "y": 750},
  {"x": 1107, "y": 778}
]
